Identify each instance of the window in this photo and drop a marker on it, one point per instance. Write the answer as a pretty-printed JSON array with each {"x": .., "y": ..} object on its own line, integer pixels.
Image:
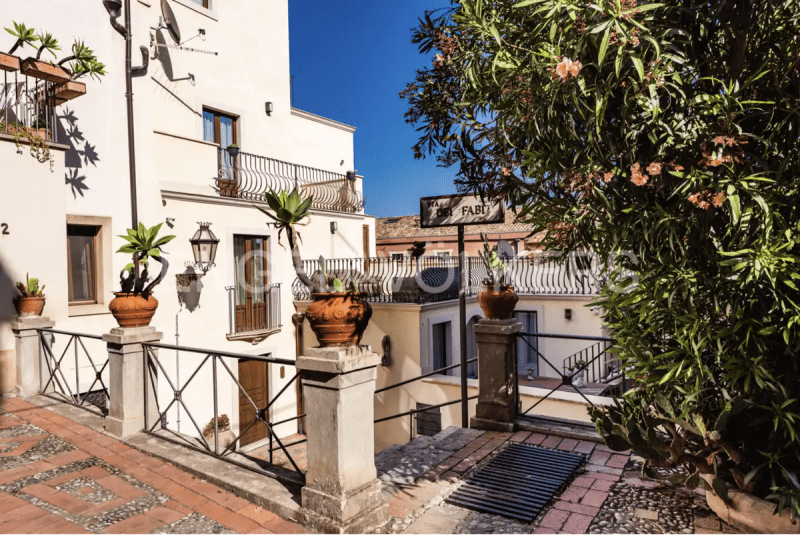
[
  {"x": 252, "y": 293},
  {"x": 82, "y": 265},
  {"x": 202, "y": 3},
  {"x": 527, "y": 346},
  {"x": 440, "y": 344},
  {"x": 391, "y": 221},
  {"x": 443, "y": 254},
  {"x": 221, "y": 128},
  {"x": 397, "y": 256}
]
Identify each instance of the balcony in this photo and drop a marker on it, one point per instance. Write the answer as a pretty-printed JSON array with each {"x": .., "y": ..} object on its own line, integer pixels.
[
  {"x": 28, "y": 108},
  {"x": 254, "y": 311},
  {"x": 249, "y": 176},
  {"x": 432, "y": 279}
]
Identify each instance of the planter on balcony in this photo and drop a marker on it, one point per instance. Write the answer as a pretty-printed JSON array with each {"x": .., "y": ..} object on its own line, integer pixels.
[
  {"x": 69, "y": 90},
  {"x": 8, "y": 62},
  {"x": 497, "y": 305},
  {"x": 44, "y": 71},
  {"x": 133, "y": 309},
  {"x": 338, "y": 318}
]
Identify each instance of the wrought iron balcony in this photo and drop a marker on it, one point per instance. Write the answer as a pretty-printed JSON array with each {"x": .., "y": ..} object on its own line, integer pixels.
[
  {"x": 254, "y": 311},
  {"x": 249, "y": 176},
  {"x": 430, "y": 279}
]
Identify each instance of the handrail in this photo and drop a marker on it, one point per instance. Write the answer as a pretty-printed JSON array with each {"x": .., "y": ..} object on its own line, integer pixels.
[
  {"x": 569, "y": 337},
  {"x": 221, "y": 353},
  {"x": 417, "y": 378},
  {"x": 70, "y": 333},
  {"x": 414, "y": 411}
]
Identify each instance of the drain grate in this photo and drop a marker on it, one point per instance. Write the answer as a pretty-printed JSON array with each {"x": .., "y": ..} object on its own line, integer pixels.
[{"x": 518, "y": 483}]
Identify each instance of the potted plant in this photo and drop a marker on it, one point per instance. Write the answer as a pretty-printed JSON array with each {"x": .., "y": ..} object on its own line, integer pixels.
[
  {"x": 233, "y": 150},
  {"x": 226, "y": 436},
  {"x": 337, "y": 317},
  {"x": 579, "y": 378},
  {"x": 85, "y": 63},
  {"x": 25, "y": 36},
  {"x": 31, "y": 299},
  {"x": 43, "y": 70},
  {"x": 497, "y": 299},
  {"x": 135, "y": 305},
  {"x": 418, "y": 248}
]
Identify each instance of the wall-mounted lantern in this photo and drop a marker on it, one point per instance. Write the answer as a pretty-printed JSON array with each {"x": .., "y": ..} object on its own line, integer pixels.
[
  {"x": 204, "y": 247},
  {"x": 334, "y": 227},
  {"x": 567, "y": 313},
  {"x": 351, "y": 175},
  {"x": 268, "y": 107}
]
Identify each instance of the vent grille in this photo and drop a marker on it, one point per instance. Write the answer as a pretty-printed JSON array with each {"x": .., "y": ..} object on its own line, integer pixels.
[{"x": 519, "y": 482}]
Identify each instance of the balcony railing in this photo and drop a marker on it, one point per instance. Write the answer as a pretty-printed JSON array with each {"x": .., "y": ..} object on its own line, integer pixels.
[
  {"x": 254, "y": 310},
  {"x": 249, "y": 176},
  {"x": 28, "y": 107},
  {"x": 431, "y": 278}
]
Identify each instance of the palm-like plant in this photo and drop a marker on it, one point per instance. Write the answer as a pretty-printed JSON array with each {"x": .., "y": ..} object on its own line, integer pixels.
[
  {"x": 142, "y": 244},
  {"x": 85, "y": 62},
  {"x": 24, "y": 35},
  {"x": 290, "y": 210},
  {"x": 49, "y": 43}
]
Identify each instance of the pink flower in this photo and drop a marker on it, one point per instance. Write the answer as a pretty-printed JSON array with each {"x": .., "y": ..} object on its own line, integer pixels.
[
  {"x": 575, "y": 68},
  {"x": 562, "y": 69},
  {"x": 608, "y": 176},
  {"x": 639, "y": 179},
  {"x": 654, "y": 168}
]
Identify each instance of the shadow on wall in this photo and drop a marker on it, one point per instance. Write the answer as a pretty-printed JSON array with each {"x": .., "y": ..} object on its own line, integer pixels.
[
  {"x": 80, "y": 153},
  {"x": 189, "y": 295}
]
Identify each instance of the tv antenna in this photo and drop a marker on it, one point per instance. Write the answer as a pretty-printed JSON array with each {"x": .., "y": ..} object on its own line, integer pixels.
[{"x": 168, "y": 21}]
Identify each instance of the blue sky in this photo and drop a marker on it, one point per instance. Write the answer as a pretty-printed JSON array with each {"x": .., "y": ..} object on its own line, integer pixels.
[{"x": 350, "y": 59}]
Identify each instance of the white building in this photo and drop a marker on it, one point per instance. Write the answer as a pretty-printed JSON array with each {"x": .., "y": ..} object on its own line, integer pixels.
[{"x": 61, "y": 224}]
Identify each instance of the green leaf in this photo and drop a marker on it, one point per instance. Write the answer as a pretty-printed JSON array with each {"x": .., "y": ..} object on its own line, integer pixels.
[
  {"x": 637, "y": 63},
  {"x": 601, "y": 54}
]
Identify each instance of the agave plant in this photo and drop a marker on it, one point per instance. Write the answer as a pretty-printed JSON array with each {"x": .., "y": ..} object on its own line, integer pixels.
[
  {"x": 49, "y": 43},
  {"x": 24, "y": 35},
  {"x": 85, "y": 62},
  {"x": 143, "y": 245},
  {"x": 290, "y": 209}
]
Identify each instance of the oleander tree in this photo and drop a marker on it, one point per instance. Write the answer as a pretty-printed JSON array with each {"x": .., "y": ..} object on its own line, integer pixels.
[{"x": 662, "y": 136}]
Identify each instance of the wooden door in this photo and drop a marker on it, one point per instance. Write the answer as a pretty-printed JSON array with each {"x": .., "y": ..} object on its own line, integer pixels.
[{"x": 253, "y": 377}]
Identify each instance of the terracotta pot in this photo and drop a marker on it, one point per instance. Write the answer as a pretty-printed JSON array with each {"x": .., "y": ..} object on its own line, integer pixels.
[
  {"x": 69, "y": 91},
  {"x": 497, "y": 305},
  {"x": 133, "y": 310},
  {"x": 338, "y": 319},
  {"x": 29, "y": 306},
  {"x": 8, "y": 63},
  {"x": 43, "y": 70},
  {"x": 749, "y": 513}
]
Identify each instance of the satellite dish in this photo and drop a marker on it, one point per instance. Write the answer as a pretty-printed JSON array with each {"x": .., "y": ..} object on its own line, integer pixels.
[
  {"x": 504, "y": 250},
  {"x": 171, "y": 22}
]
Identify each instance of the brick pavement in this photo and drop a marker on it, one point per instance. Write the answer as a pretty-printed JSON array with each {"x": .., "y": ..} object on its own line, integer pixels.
[{"x": 57, "y": 476}]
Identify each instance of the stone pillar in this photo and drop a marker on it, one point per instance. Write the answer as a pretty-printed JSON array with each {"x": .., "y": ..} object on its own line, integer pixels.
[
  {"x": 29, "y": 353},
  {"x": 342, "y": 493},
  {"x": 497, "y": 404},
  {"x": 126, "y": 414}
]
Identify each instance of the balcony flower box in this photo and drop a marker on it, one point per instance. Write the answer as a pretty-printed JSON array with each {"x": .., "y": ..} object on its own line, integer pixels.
[
  {"x": 8, "y": 62},
  {"x": 44, "y": 71},
  {"x": 69, "y": 90}
]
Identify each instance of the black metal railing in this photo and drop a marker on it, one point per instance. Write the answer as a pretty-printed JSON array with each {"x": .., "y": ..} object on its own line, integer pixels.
[
  {"x": 73, "y": 377},
  {"x": 249, "y": 176},
  {"x": 433, "y": 278},
  {"x": 430, "y": 408},
  {"x": 602, "y": 366},
  {"x": 569, "y": 380},
  {"x": 254, "y": 309},
  {"x": 28, "y": 107},
  {"x": 212, "y": 367}
]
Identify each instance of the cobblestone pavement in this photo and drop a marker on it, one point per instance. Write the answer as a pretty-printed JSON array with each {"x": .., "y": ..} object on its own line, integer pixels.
[
  {"x": 57, "y": 476},
  {"x": 608, "y": 495}
]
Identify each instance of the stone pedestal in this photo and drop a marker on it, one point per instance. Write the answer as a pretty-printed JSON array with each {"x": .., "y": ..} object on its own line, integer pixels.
[
  {"x": 29, "y": 359},
  {"x": 342, "y": 493},
  {"x": 497, "y": 406},
  {"x": 126, "y": 414}
]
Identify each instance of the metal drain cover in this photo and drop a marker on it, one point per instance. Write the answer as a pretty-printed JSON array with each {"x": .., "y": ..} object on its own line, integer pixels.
[{"x": 518, "y": 483}]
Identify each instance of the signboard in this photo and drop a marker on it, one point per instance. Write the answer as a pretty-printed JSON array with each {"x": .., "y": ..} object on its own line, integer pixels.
[{"x": 467, "y": 209}]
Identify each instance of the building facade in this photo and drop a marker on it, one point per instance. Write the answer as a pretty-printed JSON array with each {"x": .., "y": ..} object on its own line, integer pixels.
[{"x": 227, "y": 82}]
